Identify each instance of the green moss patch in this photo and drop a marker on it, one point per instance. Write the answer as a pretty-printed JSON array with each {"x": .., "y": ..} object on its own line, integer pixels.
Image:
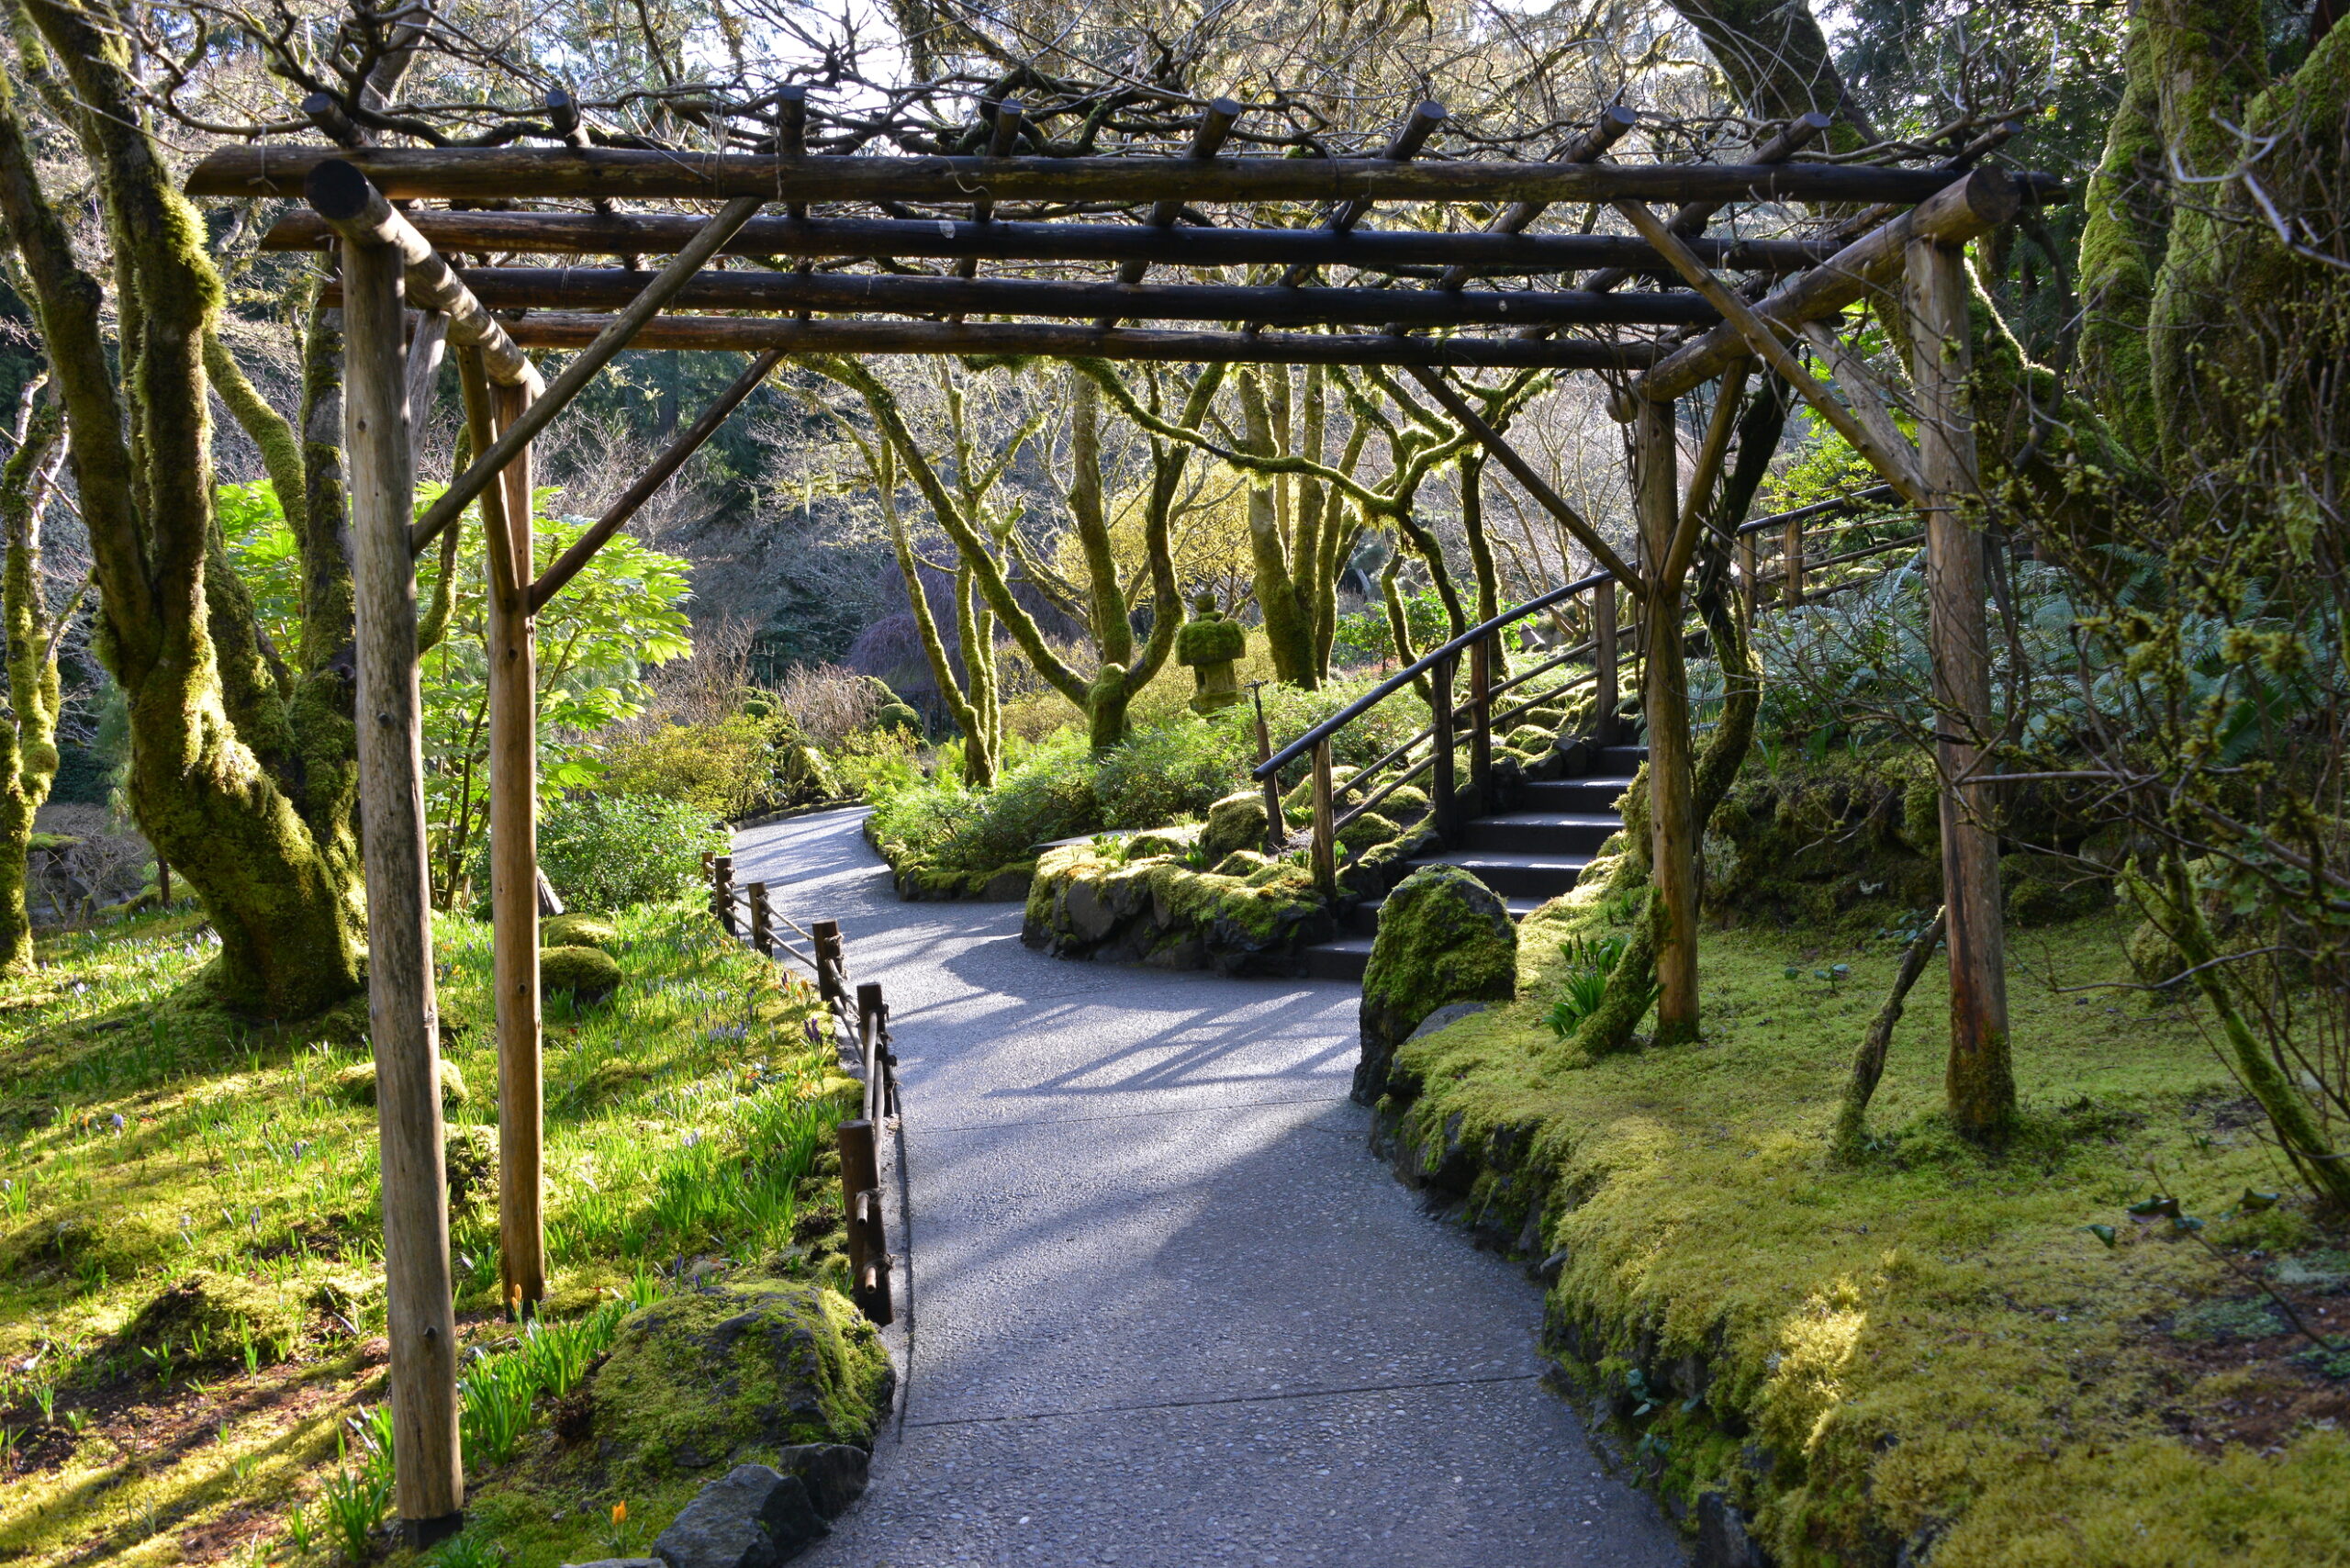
[
  {"x": 1923, "y": 1356},
  {"x": 580, "y": 929}
]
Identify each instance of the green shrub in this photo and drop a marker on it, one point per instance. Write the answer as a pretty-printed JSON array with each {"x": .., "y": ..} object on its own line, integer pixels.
[
  {"x": 610, "y": 851},
  {"x": 722, "y": 767},
  {"x": 1169, "y": 773}
]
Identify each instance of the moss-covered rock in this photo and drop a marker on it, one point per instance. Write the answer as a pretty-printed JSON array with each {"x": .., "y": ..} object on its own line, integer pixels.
[
  {"x": 1151, "y": 843},
  {"x": 1444, "y": 936},
  {"x": 898, "y": 715},
  {"x": 1365, "y": 831},
  {"x": 706, "y": 1379},
  {"x": 1405, "y": 804},
  {"x": 1530, "y": 740},
  {"x": 808, "y": 775},
  {"x": 1235, "y": 823},
  {"x": 1300, "y": 799},
  {"x": 1083, "y": 904},
  {"x": 208, "y": 1319},
  {"x": 356, "y": 1084},
  {"x": 581, "y": 929},
  {"x": 1241, "y": 863},
  {"x": 589, "y": 974}
]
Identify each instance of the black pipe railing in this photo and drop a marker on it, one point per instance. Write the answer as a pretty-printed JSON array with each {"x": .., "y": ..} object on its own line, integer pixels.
[{"x": 1441, "y": 664}]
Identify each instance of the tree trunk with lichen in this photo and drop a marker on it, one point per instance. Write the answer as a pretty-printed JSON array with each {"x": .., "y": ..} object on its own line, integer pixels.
[
  {"x": 28, "y": 740},
  {"x": 240, "y": 766}
]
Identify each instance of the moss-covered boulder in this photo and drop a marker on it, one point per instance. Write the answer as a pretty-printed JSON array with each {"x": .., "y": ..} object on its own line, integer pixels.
[
  {"x": 737, "y": 1375},
  {"x": 1151, "y": 843},
  {"x": 1531, "y": 740},
  {"x": 579, "y": 930},
  {"x": 1085, "y": 904},
  {"x": 1365, "y": 831},
  {"x": 1405, "y": 804},
  {"x": 1444, "y": 936},
  {"x": 1235, "y": 823},
  {"x": 1299, "y": 802},
  {"x": 208, "y": 1319},
  {"x": 808, "y": 775},
  {"x": 588, "y": 974},
  {"x": 895, "y": 715},
  {"x": 1241, "y": 864},
  {"x": 356, "y": 1084}
]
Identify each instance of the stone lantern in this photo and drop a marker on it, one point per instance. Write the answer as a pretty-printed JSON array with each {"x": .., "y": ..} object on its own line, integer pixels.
[{"x": 1210, "y": 645}]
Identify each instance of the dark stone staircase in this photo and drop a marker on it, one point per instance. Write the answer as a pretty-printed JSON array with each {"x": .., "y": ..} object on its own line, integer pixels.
[{"x": 1529, "y": 855}]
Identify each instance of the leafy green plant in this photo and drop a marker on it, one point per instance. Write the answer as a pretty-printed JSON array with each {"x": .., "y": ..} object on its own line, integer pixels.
[
  {"x": 353, "y": 1501},
  {"x": 1582, "y": 989},
  {"x": 608, "y": 852}
]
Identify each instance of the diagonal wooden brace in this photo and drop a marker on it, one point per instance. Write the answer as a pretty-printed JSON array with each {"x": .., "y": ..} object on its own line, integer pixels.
[
  {"x": 576, "y": 375},
  {"x": 1898, "y": 464},
  {"x": 1523, "y": 472}
]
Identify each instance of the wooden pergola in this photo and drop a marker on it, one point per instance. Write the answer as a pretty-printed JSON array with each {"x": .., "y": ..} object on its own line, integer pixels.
[{"x": 828, "y": 275}]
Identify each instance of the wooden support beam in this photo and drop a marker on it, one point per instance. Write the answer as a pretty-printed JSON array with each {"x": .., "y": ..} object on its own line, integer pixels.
[
  {"x": 350, "y": 207},
  {"x": 606, "y": 288},
  {"x": 648, "y": 233},
  {"x": 482, "y": 173},
  {"x": 1523, "y": 472},
  {"x": 1409, "y": 138},
  {"x": 425, "y": 344},
  {"x": 1607, "y": 689},
  {"x": 1690, "y": 219},
  {"x": 1672, "y": 827},
  {"x": 1083, "y": 340},
  {"x": 1971, "y": 205},
  {"x": 1444, "y": 809},
  {"x": 1614, "y": 123},
  {"x": 656, "y": 475},
  {"x": 402, "y": 1017},
  {"x": 614, "y": 337},
  {"x": 1216, "y": 124},
  {"x": 1718, "y": 431},
  {"x": 513, "y": 853},
  {"x": 1868, "y": 402},
  {"x": 1895, "y": 463},
  {"x": 1325, "y": 833},
  {"x": 1979, "y": 1080}
]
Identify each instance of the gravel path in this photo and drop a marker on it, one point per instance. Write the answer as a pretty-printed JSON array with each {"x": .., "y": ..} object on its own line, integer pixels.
[{"x": 1166, "y": 1310}]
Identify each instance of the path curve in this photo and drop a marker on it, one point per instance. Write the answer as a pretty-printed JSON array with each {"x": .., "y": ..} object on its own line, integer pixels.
[{"x": 1166, "y": 1309}]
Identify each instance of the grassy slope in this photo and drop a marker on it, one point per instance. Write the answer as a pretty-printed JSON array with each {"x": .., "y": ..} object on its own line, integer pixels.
[
  {"x": 1928, "y": 1342},
  {"x": 248, "y": 1159}
]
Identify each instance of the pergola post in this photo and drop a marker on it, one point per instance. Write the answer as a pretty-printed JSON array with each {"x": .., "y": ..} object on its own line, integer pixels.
[
  {"x": 401, "y": 1011},
  {"x": 1980, "y": 1084},
  {"x": 514, "y": 872},
  {"x": 1665, "y": 700}
]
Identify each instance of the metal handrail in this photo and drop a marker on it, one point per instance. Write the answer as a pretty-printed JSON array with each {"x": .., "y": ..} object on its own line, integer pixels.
[{"x": 1466, "y": 640}]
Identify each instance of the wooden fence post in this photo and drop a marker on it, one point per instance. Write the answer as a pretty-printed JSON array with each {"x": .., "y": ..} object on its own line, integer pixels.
[
  {"x": 832, "y": 970},
  {"x": 1326, "y": 838},
  {"x": 722, "y": 891},
  {"x": 762, "y": 923},
  {"x": 1607, "y": 689},
  {"x": 1673, "y": 831},
  {"x": 1276, "y": 829},
  {"x": 1747, "y": 588},
  {"x": 1791, "y": 565},
  {"x": 429, "y": 1483},
  {"x": 1443, "y": 805},
  {"x": 1979, "y": 1079},
  {"x": 513, "y": 850},
  {"x": 1480, "y": 722}
]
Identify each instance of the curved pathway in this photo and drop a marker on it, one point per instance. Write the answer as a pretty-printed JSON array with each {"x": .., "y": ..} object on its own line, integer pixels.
[{"x": 1164, "y": 1309}]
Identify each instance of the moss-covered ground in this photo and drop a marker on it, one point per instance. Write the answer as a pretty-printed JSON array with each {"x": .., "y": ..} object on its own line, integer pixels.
[
  {"x": 1928, "y": 1349},
  {"x": 190, "y": 1353}
]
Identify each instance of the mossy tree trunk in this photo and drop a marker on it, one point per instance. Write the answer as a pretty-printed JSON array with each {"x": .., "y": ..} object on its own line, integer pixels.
[
  {"x": 28, "y": 740},
  {"x": 236, "y": 776},
  {"x": 1105, "y": 695}
]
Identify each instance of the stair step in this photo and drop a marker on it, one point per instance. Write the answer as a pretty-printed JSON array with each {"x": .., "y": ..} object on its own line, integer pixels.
[
  {"x": 1561, "y": 833},
  {"x": 1595, "y": 795},
  {"x": 1621, "y": 758},
  {"x": 1343, "y": 959},
  {"x": 1363, "y": 920},
  {"x": 1536, "y": 875}
]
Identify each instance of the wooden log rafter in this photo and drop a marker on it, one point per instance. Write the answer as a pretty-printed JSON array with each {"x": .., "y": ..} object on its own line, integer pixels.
[
  {"x": 818, "y": 238},
  {"x": 606, "y": 288},
  {"x": 1072, "y": 339},
  {"x": 539, "y": 173}
]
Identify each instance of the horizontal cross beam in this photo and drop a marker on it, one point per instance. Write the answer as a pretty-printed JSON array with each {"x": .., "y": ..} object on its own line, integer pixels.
[
  {"x": 1057, "y": 341},
  {"x": 484, "y": 174},
  {"x": 584, "y": 288},
  {"x": 657, "y": 234}
]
